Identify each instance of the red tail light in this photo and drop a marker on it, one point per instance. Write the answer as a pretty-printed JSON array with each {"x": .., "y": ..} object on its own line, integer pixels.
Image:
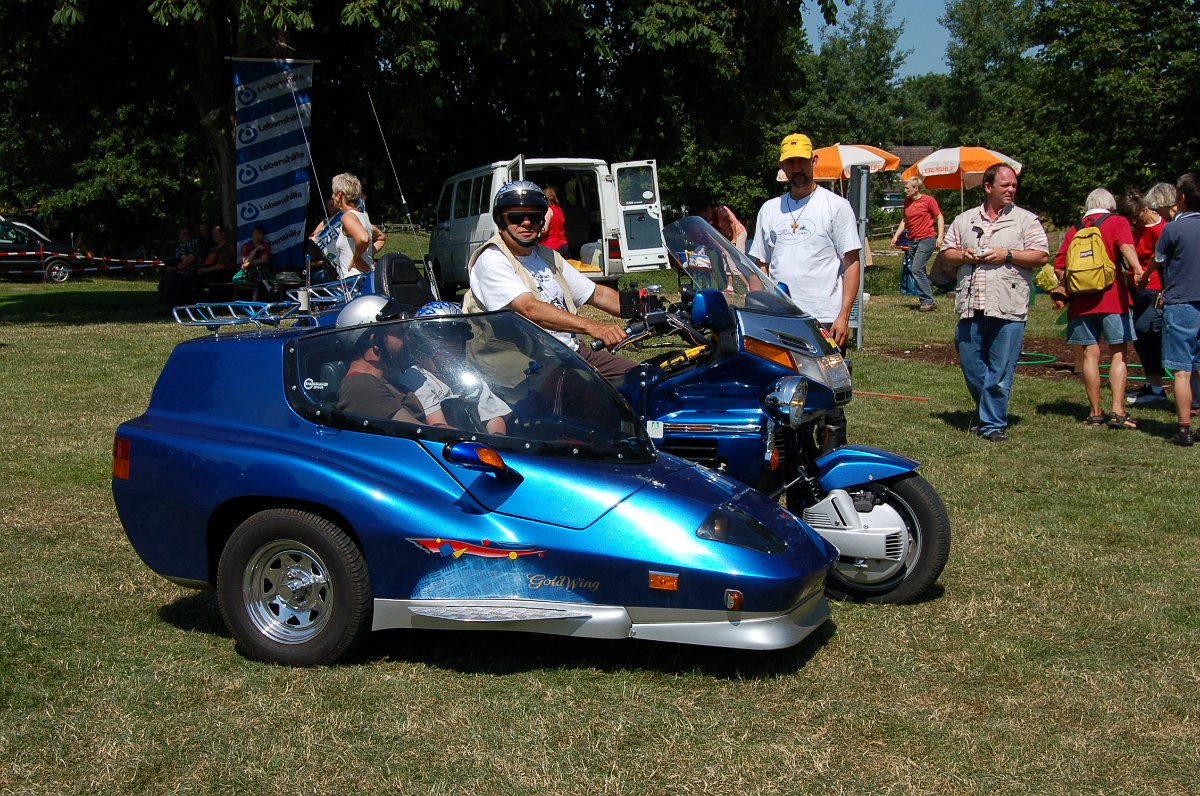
[
  {"x": 120, "y": 458},
  {"x": 614, "y": 249}
]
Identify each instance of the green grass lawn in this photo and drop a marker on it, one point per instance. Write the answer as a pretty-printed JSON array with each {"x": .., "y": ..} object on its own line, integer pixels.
[{"x": 1060, "y": 655}]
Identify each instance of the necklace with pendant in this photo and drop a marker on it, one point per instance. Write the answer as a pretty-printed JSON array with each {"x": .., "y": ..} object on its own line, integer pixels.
[{"x": 796, "y": 216}]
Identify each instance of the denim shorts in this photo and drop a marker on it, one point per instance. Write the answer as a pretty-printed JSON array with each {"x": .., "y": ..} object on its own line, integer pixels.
[
  {"x": 1088, "y": 329},
  {"x": 1181, "y": 336}
]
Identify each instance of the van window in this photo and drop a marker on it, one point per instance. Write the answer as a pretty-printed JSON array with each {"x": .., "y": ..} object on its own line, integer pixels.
[
  {"x": 635, "y": 185},
  {"x": 481, "y": 204},
  {"x": 443, "y": 209},
  {"x": 476, "y": 192},
  {"x": 462, "y": 199}
]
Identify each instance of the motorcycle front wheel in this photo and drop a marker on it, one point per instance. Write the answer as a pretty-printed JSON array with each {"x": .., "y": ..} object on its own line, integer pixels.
[{"x": 916, "y": 504}]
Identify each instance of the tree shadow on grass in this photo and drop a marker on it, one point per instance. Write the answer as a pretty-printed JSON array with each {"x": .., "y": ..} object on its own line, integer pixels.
[{"x": 79, "y": 307}]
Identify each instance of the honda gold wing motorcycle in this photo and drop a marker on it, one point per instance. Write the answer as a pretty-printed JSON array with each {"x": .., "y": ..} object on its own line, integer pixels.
[{"x": 746, "y": 394}]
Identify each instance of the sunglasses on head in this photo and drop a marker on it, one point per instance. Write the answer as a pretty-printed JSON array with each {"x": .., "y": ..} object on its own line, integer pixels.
[{"x": 516, "y": 219}]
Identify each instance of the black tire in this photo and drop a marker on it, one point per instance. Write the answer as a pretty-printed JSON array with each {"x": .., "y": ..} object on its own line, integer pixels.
[
  {"x": 294, "y": 589},
  {"x": 924, "y": 514},
  {"x": 58, "y": 271}
]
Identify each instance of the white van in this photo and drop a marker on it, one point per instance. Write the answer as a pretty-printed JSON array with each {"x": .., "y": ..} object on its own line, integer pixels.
[{"x": 612, "y": 213}]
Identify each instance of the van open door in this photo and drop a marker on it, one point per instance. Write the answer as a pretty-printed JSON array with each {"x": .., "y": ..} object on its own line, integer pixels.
[
  {"x": 516, "y": 169},
  {"x": 640, "y": 236}
]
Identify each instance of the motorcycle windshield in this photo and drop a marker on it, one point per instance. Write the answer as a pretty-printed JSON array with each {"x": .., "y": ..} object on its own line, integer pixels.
[
  {"x": 493, "y": 377},
  {"x": 711, "y": 262}
]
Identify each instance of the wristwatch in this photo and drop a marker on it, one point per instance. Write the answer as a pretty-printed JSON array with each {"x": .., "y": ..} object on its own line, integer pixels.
[{"x": 1008, "y": 257}]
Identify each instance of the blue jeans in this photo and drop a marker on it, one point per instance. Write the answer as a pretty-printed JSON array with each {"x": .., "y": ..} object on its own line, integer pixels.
[
  {"x": 988, "y": 351},
  {"x": 921, "y": 251},
  {"x": 908, "y": 286}
]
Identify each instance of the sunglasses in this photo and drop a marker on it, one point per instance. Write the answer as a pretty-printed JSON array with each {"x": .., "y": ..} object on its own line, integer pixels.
[{"x": 517, "y": 219}]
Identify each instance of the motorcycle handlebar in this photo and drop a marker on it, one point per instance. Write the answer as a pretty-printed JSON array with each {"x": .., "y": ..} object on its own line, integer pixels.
[{"x": 632, "y": 329}]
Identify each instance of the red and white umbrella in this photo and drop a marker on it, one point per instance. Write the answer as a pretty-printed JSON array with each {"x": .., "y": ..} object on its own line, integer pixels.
[
  {"x": 957, "y": 167},
  {"x": 834, "y": 162}
]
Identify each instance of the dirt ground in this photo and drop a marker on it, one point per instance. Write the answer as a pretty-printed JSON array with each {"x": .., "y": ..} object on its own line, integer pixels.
[{"x": 1040, "y": 357}]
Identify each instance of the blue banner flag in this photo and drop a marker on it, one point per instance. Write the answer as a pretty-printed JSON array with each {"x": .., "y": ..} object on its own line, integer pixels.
[{"x": 274, "y": 109}]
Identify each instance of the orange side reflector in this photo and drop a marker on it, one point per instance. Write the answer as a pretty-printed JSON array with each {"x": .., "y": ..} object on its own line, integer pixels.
[
  {"x": 120, "y": 458},
  {"x": 665, "y": 581},
  {"x": 492, "y": 458},
  {"x": 771, "y": 353}
]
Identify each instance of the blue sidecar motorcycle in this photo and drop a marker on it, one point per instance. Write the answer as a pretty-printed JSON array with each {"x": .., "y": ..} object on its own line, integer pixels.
[
  {"x": 513, "y": 490},
  {"x": 747, "y": 396}
]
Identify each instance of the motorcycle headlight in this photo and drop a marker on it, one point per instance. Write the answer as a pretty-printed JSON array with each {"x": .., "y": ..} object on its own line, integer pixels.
[
  {"x": 729, "y": 524},
  {"x": 786, "y": 399},
  {"x": 830, "y": 370}
]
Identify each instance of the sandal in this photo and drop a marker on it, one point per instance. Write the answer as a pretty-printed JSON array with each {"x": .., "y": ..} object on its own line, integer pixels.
[
  {"x": 1095, "y": 421},
  {"x": 1122, "y": 421}
]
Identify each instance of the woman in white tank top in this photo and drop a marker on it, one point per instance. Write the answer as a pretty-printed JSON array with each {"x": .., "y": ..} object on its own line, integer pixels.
[{"x": 354, "y": 244}]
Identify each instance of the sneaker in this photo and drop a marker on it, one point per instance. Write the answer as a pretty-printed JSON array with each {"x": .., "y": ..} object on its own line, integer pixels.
[
  {"x": 1146, "y": 395},
  {"x": 926, "y": 308},
  {"x": 1182, "y": 438},
  {"x": 995, "y": 436}
]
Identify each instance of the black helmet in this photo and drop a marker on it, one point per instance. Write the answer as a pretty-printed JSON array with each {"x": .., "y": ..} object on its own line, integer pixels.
[{"x": 518, "y": 193}]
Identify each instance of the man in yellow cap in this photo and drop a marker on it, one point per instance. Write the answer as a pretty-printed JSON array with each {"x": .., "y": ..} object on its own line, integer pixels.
[{"x": 808, "y": 240}]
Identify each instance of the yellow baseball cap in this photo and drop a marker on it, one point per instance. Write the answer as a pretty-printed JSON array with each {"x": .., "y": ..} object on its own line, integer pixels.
[{"x": 795, "y": 146}]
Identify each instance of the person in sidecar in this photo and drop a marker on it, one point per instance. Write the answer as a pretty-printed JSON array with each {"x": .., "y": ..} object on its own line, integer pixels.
[
  {"x": 375, "y": 352},
  {"x": 512, "y": 271},
  {"x": 451, "y": 392}
]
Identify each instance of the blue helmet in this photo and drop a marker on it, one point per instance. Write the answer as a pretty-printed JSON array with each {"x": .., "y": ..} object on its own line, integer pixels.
[
  {"x": 439, "y": 308},
  {"x": 518, "y": 193}
]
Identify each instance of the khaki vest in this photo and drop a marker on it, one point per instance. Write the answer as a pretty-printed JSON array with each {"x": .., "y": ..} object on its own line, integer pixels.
[
  {"x": 552, "y": 259},
  {"x": 501, "y": 362}
]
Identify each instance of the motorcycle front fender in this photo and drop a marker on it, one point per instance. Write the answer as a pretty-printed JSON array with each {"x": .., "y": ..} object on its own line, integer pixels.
[{"x": 855, "y": 465}]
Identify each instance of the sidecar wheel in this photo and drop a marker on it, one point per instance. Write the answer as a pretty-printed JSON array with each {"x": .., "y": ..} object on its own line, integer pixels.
[
  {"x": 894, "y": 582},
  {"x": 293, "y": 589}
]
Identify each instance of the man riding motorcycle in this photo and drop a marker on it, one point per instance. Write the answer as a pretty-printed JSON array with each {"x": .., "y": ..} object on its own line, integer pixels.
[{"x": 513, "y": 271}]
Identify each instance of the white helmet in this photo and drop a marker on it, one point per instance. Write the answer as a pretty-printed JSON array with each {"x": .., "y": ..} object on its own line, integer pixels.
[{"x": 365, "y": 309}]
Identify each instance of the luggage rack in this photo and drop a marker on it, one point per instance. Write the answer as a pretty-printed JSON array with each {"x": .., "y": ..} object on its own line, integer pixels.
[
  {"x": 214, "y": 315},
  {"x": 338, "y": 292}
]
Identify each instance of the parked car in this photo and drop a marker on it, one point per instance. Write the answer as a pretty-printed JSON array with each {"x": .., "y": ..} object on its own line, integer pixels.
[
  {"x": 26, "y": 252},
  {"x": 892, "y": 201},
  {"x": 612, "y": 212},
  {"x": 316, "y": 521}
]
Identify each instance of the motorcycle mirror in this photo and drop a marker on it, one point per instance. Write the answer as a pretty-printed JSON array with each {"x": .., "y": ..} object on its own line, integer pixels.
[
  {"x": 710, "y": 310},
  {"x": 475, "y": 456}
]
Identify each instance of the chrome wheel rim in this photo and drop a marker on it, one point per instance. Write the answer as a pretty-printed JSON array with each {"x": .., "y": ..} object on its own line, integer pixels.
[{"x": 286, "y": 592}]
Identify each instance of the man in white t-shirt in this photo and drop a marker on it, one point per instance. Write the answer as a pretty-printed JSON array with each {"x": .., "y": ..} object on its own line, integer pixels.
[
  {"x": 808, "y": 239},
  {"x": 512, "y": 271}
]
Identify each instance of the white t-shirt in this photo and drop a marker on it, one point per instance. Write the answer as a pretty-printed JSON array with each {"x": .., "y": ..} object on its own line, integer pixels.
[
  {"x": 495, "y": 284},
  {"x": 808, "y": 259},
  {"x": 345, "y": 248}
]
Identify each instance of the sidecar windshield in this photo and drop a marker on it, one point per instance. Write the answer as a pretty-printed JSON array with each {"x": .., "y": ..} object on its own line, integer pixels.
[
  {"x": 493, "y": 377},
  {"x": 712, "y": 262}
]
